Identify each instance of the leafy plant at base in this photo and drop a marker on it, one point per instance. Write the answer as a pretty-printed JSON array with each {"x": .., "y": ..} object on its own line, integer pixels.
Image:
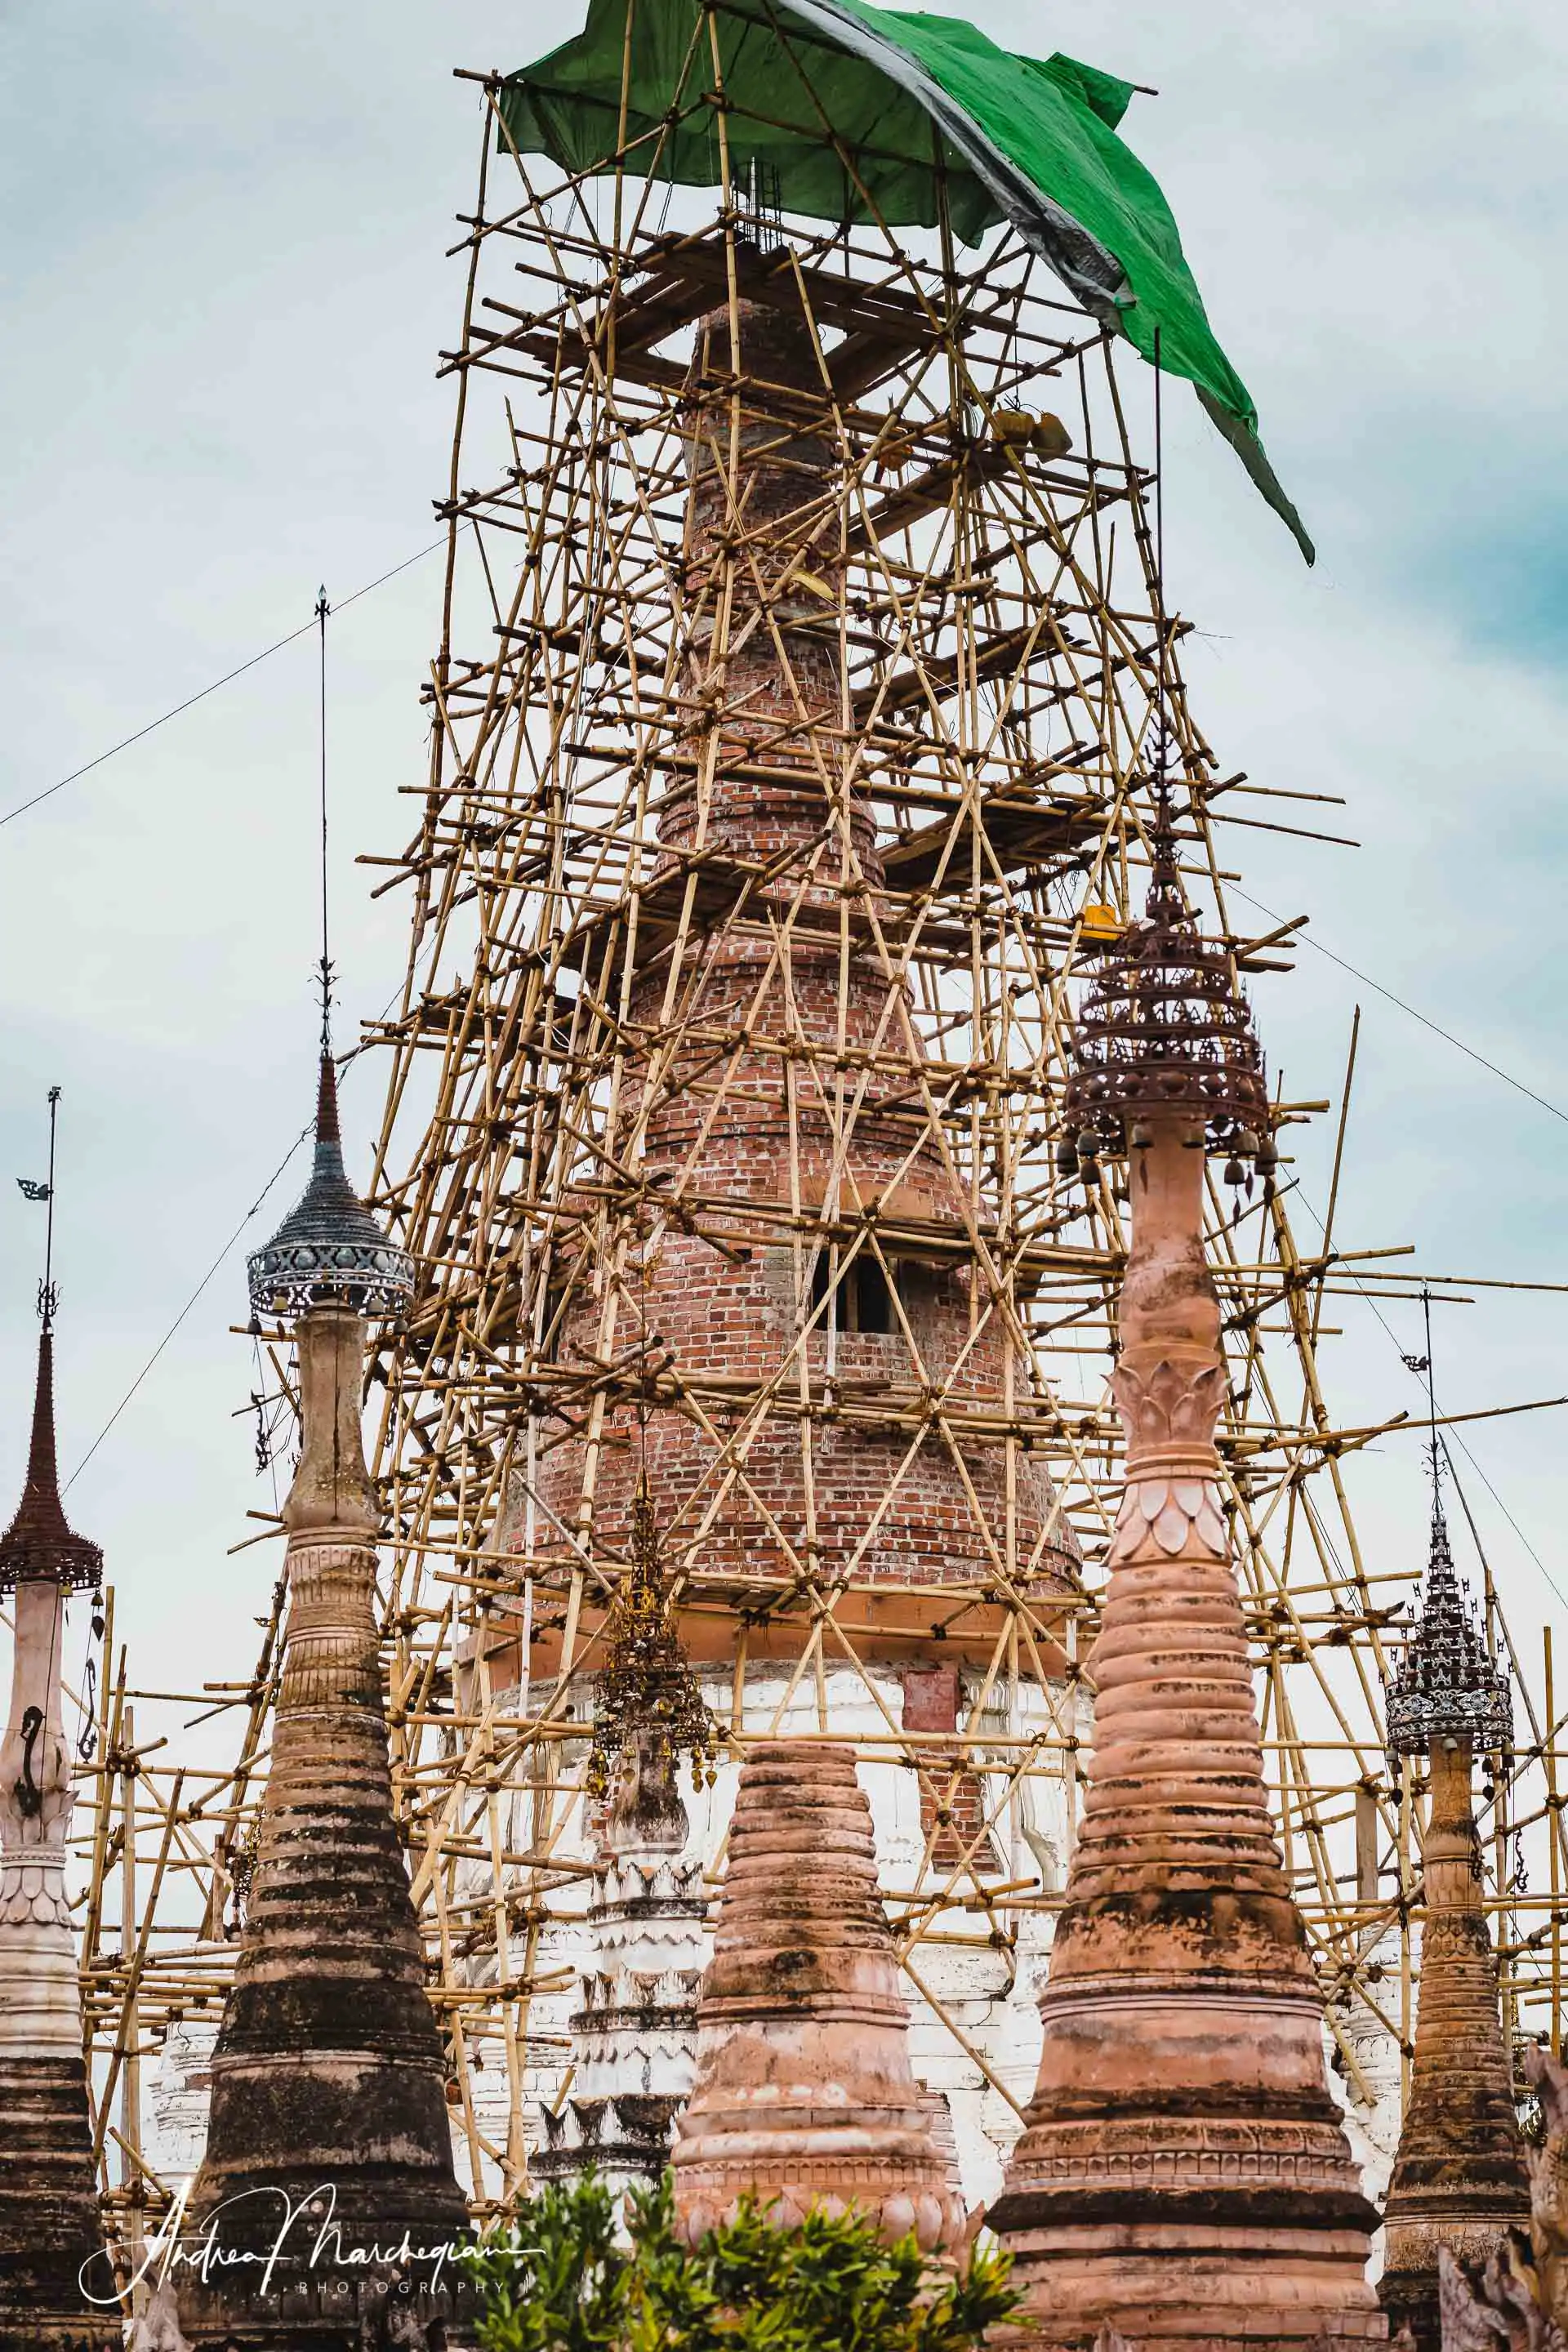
[{"x": 559, "y": 2281}]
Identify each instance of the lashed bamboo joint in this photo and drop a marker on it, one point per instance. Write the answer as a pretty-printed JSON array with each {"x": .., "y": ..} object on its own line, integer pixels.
[
  {"x": 1183, "y": 2175},
  {"x": 804, "y": 2095}
]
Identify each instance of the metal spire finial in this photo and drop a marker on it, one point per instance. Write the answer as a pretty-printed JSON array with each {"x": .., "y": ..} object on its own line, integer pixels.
[
  {"x": 41, "y": 1545},
  {"x": 48, "y": 1296},
  {"x": 324, "y": 967},
  {"x": 328, "y": 1252}
]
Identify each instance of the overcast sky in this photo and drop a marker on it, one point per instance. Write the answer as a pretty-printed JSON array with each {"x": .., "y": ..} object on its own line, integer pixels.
[{"x": 226, "y": 290}]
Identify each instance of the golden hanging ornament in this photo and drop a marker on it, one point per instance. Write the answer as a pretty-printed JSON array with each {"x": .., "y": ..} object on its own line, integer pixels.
[{"x": 647, "y": 1683}]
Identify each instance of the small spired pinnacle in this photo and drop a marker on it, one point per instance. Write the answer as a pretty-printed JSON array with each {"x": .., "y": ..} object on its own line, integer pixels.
[
  {"x": 50, "y": 2231},
  {"x": 1460, "y": 2179},
  {"x": 330, "y": 1251},
  {"x": 1182, "y": 2174},
  {"x": 647, "y": 1685},
  {"x": 804, "y": 2095},
  {"x": 327, "y": 2075},
  {"x": 41, "y": 1545}
]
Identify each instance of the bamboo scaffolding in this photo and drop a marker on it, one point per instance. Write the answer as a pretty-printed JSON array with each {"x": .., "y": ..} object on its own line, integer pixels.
[{"x": 994, "y": 622}]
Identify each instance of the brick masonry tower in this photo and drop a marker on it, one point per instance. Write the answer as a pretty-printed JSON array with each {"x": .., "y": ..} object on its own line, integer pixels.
[
  {"x": 1459, "y": 2177},
  {"x": 820, "y": 1240},
  {"x": 49, "y": 2232},
  {"x": 1182, "y": 2175},
  {"x": 327, "y": 2093}
]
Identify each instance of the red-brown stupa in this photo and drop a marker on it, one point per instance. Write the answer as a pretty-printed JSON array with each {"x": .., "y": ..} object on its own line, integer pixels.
[
  {"x": 1182, "y": 2177},
  {"x": 804, "y": 2095}
]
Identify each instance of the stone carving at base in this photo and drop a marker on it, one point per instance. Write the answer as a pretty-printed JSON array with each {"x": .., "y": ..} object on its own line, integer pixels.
[{"x": 1517, "y": 2300}]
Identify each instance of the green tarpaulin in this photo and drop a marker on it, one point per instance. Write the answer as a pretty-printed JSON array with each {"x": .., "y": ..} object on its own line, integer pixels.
[{"x": 858, "y": 110}]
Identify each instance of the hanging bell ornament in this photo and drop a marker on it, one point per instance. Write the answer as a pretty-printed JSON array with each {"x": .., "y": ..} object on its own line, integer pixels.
[
  {"x": 1246, "y": 1144},
  {"x": 1142, "y": 1137},
  {"x": 1268, "y": 1156},
  {"x": 1235, "y": 1174},
  {"x": 1067, "y": 1158}
]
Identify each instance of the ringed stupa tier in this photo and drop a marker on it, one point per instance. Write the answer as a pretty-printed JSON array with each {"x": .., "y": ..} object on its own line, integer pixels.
[
  {"x": 52, "y": 2244},
  {"x": 327, "y": 2075},
  {"x": 804, "y": 2097},
  {"x": 1182, "y": 2177},
  {"x": 1460, "y": 2178}
]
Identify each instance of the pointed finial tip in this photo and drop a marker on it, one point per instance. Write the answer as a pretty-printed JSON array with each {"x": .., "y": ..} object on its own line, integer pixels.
[{"x": 40, "y": 1546}]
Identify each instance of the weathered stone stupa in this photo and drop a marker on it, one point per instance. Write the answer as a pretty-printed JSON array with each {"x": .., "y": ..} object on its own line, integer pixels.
[
  {"x": 1182, "y": 2175},
  {"x": 327, "y": 2078},
  {"x": 50, "y": 2231},
  {"x": 1460, "y": 2178},
  {"x": 804, "y": 2095}
]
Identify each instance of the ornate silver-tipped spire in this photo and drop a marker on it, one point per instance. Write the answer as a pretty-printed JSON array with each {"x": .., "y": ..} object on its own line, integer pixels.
[
  {"x": 1446, "y": 1686},
  {"x": 330, "y": 1251}
]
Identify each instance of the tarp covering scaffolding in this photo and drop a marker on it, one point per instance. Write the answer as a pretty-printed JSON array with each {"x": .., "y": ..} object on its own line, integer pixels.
[{"x": 897, "y": 110}]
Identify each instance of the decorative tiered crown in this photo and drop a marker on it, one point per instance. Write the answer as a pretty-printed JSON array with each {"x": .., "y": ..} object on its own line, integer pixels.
[
  {"x": 1163, "y": 1028},
  {"x": 646, "y": 1691},
  {"x": 1446, "y": 1686},
  {"x": 330, "y": 1251},
  {"x": 40, "y": 1546}
]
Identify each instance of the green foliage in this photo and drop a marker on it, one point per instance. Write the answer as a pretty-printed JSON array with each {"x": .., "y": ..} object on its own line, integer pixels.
[{"x": 559, "y": 2282}]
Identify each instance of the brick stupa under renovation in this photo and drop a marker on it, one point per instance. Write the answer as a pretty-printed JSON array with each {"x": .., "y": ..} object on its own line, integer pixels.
[
  {"x": 859, "y": 1219},
  {"x": 1459, "y": 2175},
  {"x": 804, "y": 2095},
  {"x": 327, "y": 2076},
  {"x": 1182, "y": 2177},
  {"x": 51, "y": 2257}
]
